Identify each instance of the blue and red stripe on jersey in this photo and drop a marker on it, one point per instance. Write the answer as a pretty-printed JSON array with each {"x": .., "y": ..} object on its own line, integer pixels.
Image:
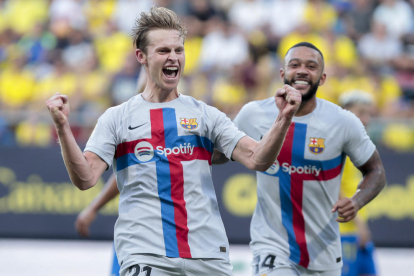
[
  {"x": 170, "y": 176},
  {"x": 291, "y": 188}
]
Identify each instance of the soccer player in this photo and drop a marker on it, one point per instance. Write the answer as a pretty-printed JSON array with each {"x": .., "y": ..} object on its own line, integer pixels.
[
  {"x": 357, "y": 247},
  {"x": 160, "y": 144},
  {"x": 294, "y": 229}
]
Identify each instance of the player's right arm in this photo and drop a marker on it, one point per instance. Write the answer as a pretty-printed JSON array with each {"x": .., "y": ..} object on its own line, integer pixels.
[
  {"x": 260, "y": 155},
  {"x": 358, "y": 147},
  {"x": 88, "y": 215},
  {"x": 84, "y": 168}
]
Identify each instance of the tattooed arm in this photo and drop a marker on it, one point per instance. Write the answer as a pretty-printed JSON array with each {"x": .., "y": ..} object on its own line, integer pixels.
[
  {"x": 368, "y": 189},
  {"x": 373, "y": 181}
]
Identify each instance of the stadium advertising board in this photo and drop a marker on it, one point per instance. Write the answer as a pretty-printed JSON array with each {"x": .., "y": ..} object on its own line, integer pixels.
[{"x": 37, "y": 199}]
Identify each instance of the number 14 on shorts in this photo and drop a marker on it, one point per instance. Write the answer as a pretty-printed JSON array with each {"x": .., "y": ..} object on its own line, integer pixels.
[
  {"x": 265, "y": 264},
  {"x": 135, "y": 270}
]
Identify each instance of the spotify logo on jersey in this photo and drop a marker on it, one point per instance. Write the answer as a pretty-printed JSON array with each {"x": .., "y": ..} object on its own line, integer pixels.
[
  {"x": 144, "y": 151},
  {"x": 274, "y": 168}
]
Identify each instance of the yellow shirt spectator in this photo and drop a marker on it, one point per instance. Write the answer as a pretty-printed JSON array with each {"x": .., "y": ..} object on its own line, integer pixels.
[
  {"x": 329, "y": 90},
  {"x": 112, "y": 50},
  {"x": 192, "y": 48},
  {"x": 320, "y": 15},
  {"x": 16, "y": 87},
  {"x": 65, "y": 84},
  {"x": 22, "y": 15},
  {"x": 94, "y": 85},
  {"x": 344, "y": 52},
  {"x": 33, "y": 134},
  {"x": 228, "y": 93},
  {"x": 390, "y": 91},
  {"x": 98, "y": 12}
]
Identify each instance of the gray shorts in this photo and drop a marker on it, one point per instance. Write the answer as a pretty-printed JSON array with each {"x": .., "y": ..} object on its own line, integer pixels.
[
  {"x": 156, "y": 265},
  {"x": 270, "y": 265}
]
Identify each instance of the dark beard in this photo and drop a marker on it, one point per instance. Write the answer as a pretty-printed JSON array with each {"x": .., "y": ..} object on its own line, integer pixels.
[{"x": 312, "y": 90}]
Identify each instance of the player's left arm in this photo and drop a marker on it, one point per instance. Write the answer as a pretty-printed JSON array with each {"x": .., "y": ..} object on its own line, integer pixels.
[{"x": 371, "y": 185}]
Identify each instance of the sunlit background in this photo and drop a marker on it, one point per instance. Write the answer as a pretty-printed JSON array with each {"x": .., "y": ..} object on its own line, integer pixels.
[{"x": 234, "y": 50}]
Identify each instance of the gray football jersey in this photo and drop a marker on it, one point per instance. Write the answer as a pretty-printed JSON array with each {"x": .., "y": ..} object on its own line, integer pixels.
[
  {"x": 161, "y": 155},
  {"x": 293, "y": 217}
]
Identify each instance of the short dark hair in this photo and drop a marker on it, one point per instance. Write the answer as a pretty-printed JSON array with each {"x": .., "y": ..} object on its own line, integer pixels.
[{"x": 306, "y": 44}]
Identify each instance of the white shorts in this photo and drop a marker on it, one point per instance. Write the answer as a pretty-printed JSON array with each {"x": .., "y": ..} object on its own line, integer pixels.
[
  {"x": 271, "y": 265},
  {"x": 156, "y": 265}
]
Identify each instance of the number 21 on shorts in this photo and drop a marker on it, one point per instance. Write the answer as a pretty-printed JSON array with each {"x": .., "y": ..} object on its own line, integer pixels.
[{"x": 135, "y": 270}]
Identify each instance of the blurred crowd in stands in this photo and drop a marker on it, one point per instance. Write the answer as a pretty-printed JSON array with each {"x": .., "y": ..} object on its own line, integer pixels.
[{"x": 234, "y": 51}]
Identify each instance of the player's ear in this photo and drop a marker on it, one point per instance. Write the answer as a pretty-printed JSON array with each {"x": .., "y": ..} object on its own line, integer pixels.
[
  {"x": 282, "y": 74},
  {"x": 141, "y": 56},
  {"x": 323, "y": 79}
]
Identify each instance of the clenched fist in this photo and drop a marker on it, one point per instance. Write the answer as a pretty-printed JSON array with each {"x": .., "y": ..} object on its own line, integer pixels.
[
  {"x": 59, "y": 109},
  {"x": 347, "y": 209},
  {"x": 288, "y": 100}
]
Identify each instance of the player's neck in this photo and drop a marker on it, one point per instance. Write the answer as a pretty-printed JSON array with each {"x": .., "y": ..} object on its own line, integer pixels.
[
  {"x": 155, "y": 94},
  {"x": 306, "y": 107}
]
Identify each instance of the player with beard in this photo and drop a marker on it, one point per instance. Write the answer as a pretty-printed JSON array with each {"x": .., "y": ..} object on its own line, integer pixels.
[
  {"x": 294, "y": 229},
  {"x": 160, "y": 144}
]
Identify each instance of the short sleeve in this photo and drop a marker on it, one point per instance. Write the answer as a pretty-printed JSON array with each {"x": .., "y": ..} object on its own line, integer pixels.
[
  {"x": 358, "y": 145},
  {"x": 102, "y": 141},
  {"x": 225, "y": 133},
  {"x": 244, "y": 121}
]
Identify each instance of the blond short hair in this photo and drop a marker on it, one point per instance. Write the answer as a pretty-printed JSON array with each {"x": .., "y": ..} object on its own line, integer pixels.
[
  {"x": 156, "y": 18},
  {"x": 352, "y": 97}
]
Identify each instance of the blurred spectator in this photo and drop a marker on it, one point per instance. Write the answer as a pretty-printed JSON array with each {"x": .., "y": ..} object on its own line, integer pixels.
[
  {"x": 248, "y": 15},
  {"x": 112, "y": 47},
  {"x": 17, "y": 83},
  {"x": 378, "y": 47},
  {"x": 202, "y": 9},
  {"x": 61, "y": 80},
  {"x": 228, "y": 93},
  {"x": 8, "y": 40},
  {"x": 341, "y": 50},
  {"x": 124, "y": 83},
  {"x": 93, "y": 84},
  {"x": 79, "y": 49},
  {"x": 320, "y": 15},
  {"x": 301, "y": 33},
  {"x": 224, "y": 47},
  {"x": 396, "y": 15},
  {"x": 3, "y": 20},
  {"x": 399, "y": 136},
  {"x": 126, "y": 11},
  {"x": 193, "y": 44},
  {"x": 98, "y": 12},
  {"x": 284, "y": 16},
  {"x": 33, "y": 132},
  {"x": 22, "y": 15},
  {"x": 6, "y": 134},
  {"x": 67, "y": 11},
  {"x": 37, "y": 43},
  {"x": 360, "y": 18}
]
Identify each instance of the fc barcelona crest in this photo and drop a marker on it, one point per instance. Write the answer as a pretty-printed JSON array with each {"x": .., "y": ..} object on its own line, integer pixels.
[
  {"x": 316, "y": 145},
  {"x": 189, "y": 123}
]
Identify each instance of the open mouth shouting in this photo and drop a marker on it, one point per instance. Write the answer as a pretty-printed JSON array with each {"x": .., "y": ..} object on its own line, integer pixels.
[{"x": 170, "y": 72}]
